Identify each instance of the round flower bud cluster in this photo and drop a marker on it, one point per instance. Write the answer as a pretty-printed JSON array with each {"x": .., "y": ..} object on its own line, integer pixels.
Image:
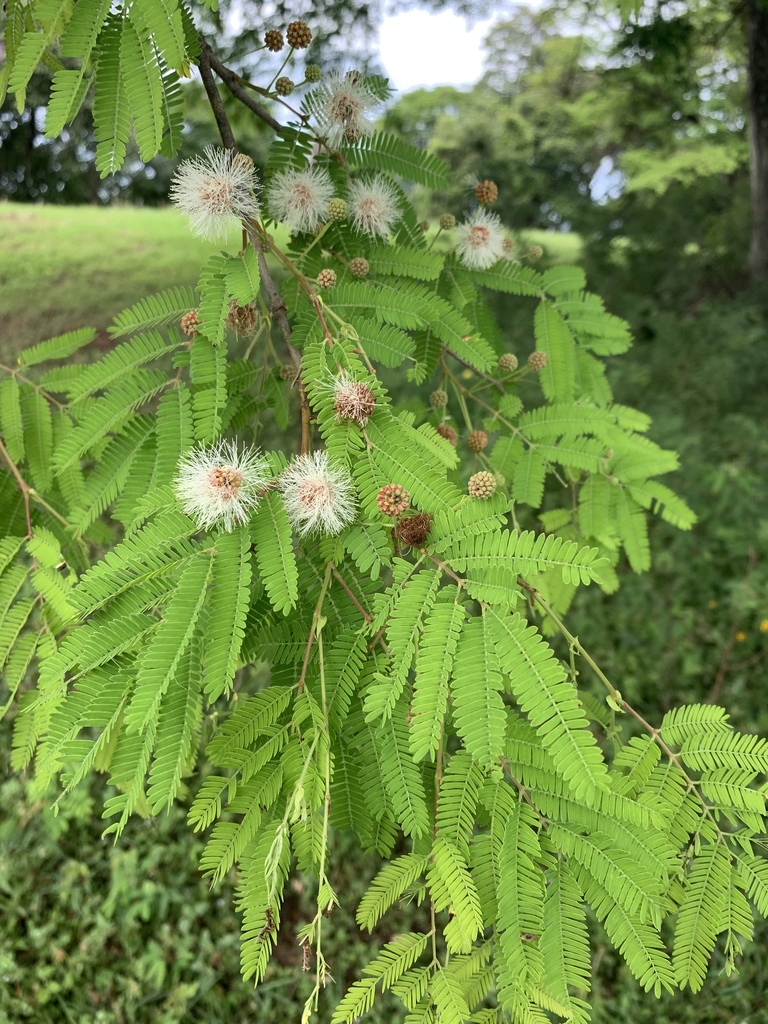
[
  {"x": 189, "y": 323},
  {"x": 288, "y": 372},
  {"x": 299, "y": 35},
  {"x": 312, "y": 73},
  {"x": 535, "y": 252},
  {"x": 477, "y": 440},
  {"x": 447, "y": 221},
  {"x": 273, "y": 40},
  {"x": 359, "y": 266},
  {"x": 353, "y": 400},
  {"x": 482, "y": 484},
  {"x": 337, "y": 209},
  {"x": 438, "y": 398},
  {"x": 393, "y": 500},
  {"x": 537, "y": 360},
  {"x": 487, "y": 192},
  {"x": 508, "y": 247},
  {"x": 326, "y": 278},
  {"x": 413, "y": 530},
  {"x": 508, "y": 362},
  {"x": 284, "y": 86},
  {"x": 446, "y": 430},
  {"x": 318, "y": 495},
  {"x": 243, "y": 319},
  {"x": 220, "y": 485}
]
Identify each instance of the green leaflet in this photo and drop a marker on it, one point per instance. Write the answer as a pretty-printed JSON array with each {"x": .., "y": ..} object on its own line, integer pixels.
[
  {"x": 550, "y": 701},
  {"x": 437, "y": 648},
  {"x": 227, "y": 608},
  {"x": 159, "y": 662},
  {"x": 476, "y": 685},
  {"x": 271, "y": 532}
]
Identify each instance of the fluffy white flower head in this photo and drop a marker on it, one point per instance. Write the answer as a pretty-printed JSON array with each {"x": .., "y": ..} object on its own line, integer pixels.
[
  {"x": 344, "y": 107},
  {"x": 318, "y": 495},
  {"x": 220, "y": 484},
  {"x": 300, "y": 198},
  {"x": 480, "y": 240},
  {"x": 216, "y": 191},
  {"x": 373, "y": 206}
]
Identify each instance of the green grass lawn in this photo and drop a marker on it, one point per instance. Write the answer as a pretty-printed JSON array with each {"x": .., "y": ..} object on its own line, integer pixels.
[{"x": 77, "y": 266}]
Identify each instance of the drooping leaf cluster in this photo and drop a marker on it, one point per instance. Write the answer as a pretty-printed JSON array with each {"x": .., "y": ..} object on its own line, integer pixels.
[{"x": 407, "y": 691}]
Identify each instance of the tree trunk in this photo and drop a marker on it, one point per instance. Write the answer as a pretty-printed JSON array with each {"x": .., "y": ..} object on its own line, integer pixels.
[{"x": 757, "y": 87}]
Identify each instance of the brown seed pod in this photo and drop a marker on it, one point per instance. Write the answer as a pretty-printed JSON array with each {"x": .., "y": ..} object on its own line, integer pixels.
[{"x": 413, "y": 530}]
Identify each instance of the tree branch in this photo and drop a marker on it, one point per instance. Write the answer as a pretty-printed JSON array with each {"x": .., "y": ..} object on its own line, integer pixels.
[
  {"x": 232, "y": 82},
  {"x": 222, "y": 121}
]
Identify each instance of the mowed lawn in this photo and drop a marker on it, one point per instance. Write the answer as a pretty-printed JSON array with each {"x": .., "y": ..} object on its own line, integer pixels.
[{"x": 65, "y": 267}]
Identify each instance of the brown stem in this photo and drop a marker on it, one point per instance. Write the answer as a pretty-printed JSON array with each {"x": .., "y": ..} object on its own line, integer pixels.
[
  {"x": 351, "y": 596},
  {"x": 491, "y": 380},
  {"x": 232, "y": 82},
  {"x": 280, "y": 315},
  {"x": 222, "y": 121},
  {"x": 23, "y": 486}
]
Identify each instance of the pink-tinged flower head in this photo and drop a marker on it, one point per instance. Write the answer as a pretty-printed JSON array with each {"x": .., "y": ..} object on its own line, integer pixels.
[
  {"x": 344, "y": 107},
  {"x": 216, "y": 191},
  {"x": 318, "y": 495},
  {"x": 480, "y": 240},
  {"x": 220, "y": 484},
  {"x": 300, "y": 198},
  {"x": 373, "y": 206}
]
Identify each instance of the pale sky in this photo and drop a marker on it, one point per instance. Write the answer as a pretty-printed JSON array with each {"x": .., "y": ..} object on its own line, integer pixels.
[{"x": 422, "y": 48}]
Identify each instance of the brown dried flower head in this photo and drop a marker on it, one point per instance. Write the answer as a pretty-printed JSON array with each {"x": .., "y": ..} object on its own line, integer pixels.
[
  {"x": 413, "y": 530},
  {"x": 446, "y": 430},
  {"x": 393, "y": 500},
  {"x": 482, "y": 484},
  {"x": 477, "y": 440},
  {"x": 189, "y": 323},
  {"x": 487, "y": 192},
  {"x": 243, "y": 319}
]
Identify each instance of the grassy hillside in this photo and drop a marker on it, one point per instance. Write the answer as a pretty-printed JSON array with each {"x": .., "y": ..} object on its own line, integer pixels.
[{"x": 76, "y": 266}]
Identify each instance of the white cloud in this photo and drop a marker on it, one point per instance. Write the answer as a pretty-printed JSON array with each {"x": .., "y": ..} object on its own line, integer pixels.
[{"x": 420, "y": 48}]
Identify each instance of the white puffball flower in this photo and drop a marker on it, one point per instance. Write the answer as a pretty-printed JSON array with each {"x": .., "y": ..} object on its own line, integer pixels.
[
  {"x": 221, "y": 484},
  {"x": 344, "y": 107},
  {"x": 318, "y": 495},
  {"x": 300, "y": 198},
  {"x": 216, "y": 191},
  {"x": 480, "y": 240},
  {"x": 373, "y": 206}
]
